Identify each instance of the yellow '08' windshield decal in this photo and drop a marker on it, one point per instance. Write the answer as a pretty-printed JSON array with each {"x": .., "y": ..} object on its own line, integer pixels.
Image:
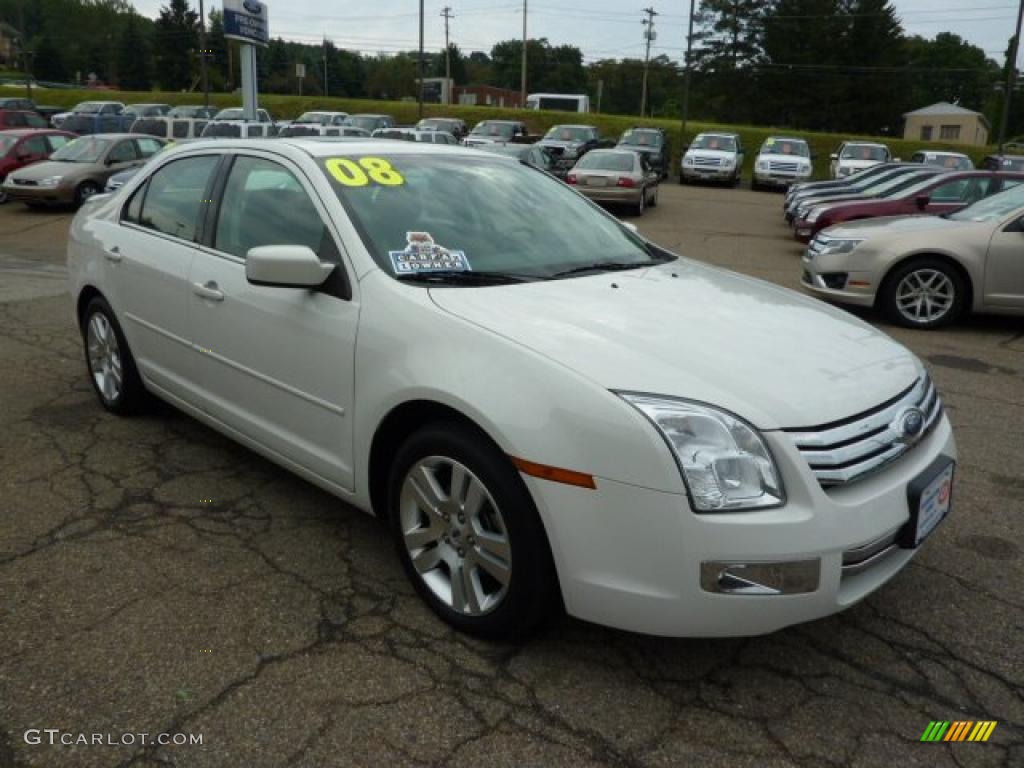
[{"x": 364, "y": 171}]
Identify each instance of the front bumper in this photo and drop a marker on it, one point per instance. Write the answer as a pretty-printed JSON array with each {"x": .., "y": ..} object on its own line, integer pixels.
[
  {"x": 707, "y": 173},
  {"x": 39, "y": 195},
  {"x": 630, "y": 557},
  {"x": 781, "y": 180},
  {"x": 829, "y": 277}
]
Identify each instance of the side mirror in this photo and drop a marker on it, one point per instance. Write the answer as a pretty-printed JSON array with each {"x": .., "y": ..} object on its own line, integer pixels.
[
  {"x": 630, "y": 226},
  {"x": 290, "y": 266},
  {"x": 833, "y": 156},
  {"x": 922, "y": 201},
  {"x": 895, "y": 160}
]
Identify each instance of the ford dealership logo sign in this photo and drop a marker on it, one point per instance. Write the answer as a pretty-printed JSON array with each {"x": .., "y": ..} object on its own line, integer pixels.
[
  {"x": 246, "y": 21},
  {"x": 253, "y": 6}
]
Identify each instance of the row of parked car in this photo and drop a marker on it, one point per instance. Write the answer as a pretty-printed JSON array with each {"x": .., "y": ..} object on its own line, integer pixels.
[{"x": 922, "y": 242}]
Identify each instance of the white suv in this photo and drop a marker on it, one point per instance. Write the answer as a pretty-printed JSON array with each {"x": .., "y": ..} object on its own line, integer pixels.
[
  {"x": 853, "y": 156},
  {"x": 782, "y": 161}
]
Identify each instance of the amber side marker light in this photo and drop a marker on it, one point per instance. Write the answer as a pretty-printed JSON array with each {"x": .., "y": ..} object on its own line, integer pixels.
[{"x": 554, "y": 474}]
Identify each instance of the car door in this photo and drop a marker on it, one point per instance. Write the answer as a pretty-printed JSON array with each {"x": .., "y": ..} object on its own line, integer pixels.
[
  {"x": 1004, "y": 267},
  {"x": 276, "y": 362},
  {"x": 149, "y": 253}
]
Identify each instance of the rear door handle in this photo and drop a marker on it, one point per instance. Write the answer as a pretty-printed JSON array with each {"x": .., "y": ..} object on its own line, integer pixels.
[
  {"x": 208, "y": 290},
  {"x": 113, "y": 254}
]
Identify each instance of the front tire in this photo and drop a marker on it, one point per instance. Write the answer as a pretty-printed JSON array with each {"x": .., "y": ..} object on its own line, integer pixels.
[
  {"x": 924, "y": 293},
  {"x": 85, "y": 190},
  {"x": 115, "y": 379},
  {"x": 468, "y": 533}
]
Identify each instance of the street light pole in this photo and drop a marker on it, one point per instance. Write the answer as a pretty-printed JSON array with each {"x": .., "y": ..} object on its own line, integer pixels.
[
  {"x": 203, "y": 54},
  {"x": 686, "y": 78},
  {"x": 522, "y": 75},
  {"x": 421, "y": 62},
  {"x": 1011, "y": 67}
]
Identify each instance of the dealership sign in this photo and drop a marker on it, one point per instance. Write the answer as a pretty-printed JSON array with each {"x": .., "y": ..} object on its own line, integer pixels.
[{"x": 246, "y": 21}]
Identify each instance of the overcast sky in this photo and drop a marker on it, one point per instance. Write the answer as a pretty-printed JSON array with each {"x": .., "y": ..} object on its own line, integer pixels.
[{"x": 601, "y": 28}]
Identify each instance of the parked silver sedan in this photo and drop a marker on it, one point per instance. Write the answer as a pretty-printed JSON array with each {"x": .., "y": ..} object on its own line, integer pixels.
[
  {"x": 616, "y": 176},
  {"x": 926, "y": 271}
]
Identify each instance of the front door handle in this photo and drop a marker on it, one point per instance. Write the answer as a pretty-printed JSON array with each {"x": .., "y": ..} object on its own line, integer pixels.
[
  {"x": 208, "y": 290},
  {"x": 113, "y": 254}
]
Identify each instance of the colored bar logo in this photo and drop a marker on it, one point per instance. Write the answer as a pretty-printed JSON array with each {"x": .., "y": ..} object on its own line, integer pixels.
[{"x": 959, "y": 730}]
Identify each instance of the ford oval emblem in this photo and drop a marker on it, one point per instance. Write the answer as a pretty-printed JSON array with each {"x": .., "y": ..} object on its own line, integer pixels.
[
  {"x": 908, "y": 425},
  {"x": 253, "y": 7}
]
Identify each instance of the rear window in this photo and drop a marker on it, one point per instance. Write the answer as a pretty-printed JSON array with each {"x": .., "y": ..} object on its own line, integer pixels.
[{"x": 607, "y": 161}]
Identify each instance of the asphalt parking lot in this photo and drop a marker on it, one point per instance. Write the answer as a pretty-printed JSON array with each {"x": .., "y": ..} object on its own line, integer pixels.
[{"x": 157, "y": 578}]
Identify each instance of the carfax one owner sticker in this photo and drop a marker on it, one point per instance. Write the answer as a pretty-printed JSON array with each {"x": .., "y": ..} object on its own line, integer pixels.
[{"x": 422, "y": 254}]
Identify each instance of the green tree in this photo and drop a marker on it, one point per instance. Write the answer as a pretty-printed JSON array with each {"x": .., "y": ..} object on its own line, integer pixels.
[
  {"x": 217, "y": 45},
  {"x": 176, "y": 42},
  {"x": 133, "y": 58},
  {"x": 48, "y": 63},
  {"x": 458, "y": 65}
]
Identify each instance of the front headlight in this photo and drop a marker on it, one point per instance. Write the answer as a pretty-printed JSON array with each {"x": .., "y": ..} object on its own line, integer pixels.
[
  {"x": 50, "y": 181},
  {"x": 725, "y": 463},
  {"x": 815, "y": 214},
  {"x": 839, "y": 246},
  {"x": 805, "y": 168},
  {"x": 687, "y": 160},
  {"x": 762, "y": 165}
]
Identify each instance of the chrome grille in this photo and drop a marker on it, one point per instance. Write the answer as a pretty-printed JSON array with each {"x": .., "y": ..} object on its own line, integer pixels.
[
  {"x": 844, "y": 451},
  {"x": 782, "y": 166},
  {"x": 707, "y": 161}
]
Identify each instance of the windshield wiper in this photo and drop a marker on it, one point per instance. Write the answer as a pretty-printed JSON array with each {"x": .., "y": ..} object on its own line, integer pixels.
[
  {"x": 460, "y": 277},
  {"x": 608, "y": 266}
]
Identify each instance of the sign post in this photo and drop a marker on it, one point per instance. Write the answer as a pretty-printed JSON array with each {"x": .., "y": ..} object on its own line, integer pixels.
[
  {"x": 246, "y": 21},
  {"x": 300, "y": 73}
]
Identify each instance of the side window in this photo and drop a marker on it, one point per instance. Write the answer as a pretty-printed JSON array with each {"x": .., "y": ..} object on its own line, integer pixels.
[
  {"x": 123, "y": 152},
  {"x": 179, "y": 129},
  {"x": 35, "y": 146},
  {"x": 132, "y": 211},
  {"x": 57, "y": 141},
  {"x": 255, "y": 131},
  {"x": 918, "y": 157},
  {"x": 264, "y": 204},
  {"x": 15, "y": 120},
  {"x": 951, "y": 192},
  {"x": 148, "y": 147},
  {"x": 175, "y": 198}
]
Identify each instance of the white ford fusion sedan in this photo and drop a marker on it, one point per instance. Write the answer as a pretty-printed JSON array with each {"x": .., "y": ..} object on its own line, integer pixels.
[{"x": 545, "y": 408}]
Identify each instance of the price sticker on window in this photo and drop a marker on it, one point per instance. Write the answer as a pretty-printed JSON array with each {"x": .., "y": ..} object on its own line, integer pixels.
[{"x": 363, "y": 171}]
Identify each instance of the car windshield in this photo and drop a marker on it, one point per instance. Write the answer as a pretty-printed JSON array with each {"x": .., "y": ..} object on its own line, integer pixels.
[
  {"x": 607, "y": 161},
  {"x": 785, "y": 147},
  {"x": 511, "y": 219},
  {"x": 714, "y": 142},
  {"x": 993, "y": 208},
  {"x": 864, "y": 152},
  {"x": 86, "y": 149},
  {"x": 569, "y": 133},
  {"x": 641, "y": 139},
  {"x": 897, "y": 183},
  {"x": 487, "y": 128},
  {"x": 434, "y": 124},
  {"x": 952, "y": 162},
  {"x": 87, "y": 107},
  {"x": 6, "y": 142}
]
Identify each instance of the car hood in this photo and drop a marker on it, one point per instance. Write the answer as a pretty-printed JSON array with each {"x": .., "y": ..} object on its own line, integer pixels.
[
  {"x": 858, "y": 164},
  {"x": 901, "y": 225},
  {"x": 825, "y": 200},
  {"x": 784, "y": 158},
  {"x": 573, "y": 145},
  {"x": 683, "y": 329},
  {"x": 476, "y": 139},
  {"x": 48, "y": 168},
  {"x": 710, "y": 153}
]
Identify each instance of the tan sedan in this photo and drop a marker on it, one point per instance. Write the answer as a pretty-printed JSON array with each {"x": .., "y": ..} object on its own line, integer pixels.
[
  {"x": 616, "y": 176},
  {"x": 80, "y": 168},
  {"x": 926, "y": 271}
]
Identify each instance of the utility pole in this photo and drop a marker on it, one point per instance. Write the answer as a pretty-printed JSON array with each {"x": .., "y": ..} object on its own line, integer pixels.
[
  {"x": 325, "y": 65},
  {"x": 28, "y": 72},
  {"x": 421, "y": 62},
  {"x": 522, "y": 76},
  {"x": 447, "y": 14},
  {"x": 686, "y": 78},
  {"x": 26, "y": 55},
  {"x": 1011, "y": 72},
  {"x": 649, "y": 37},
  {"x": 204, "y": 55}
]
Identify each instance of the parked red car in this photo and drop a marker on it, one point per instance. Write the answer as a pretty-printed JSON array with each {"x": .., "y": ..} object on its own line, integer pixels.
[
  {"x": 21, "y": 118},
  {"x": 944, "y": 193},
  {"x": 25, "y": 146}
]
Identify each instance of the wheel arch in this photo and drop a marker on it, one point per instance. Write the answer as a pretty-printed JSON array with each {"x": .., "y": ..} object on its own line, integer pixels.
[
  {"x": 85, "y": 295},
  {"x": 938, "y": 256}
]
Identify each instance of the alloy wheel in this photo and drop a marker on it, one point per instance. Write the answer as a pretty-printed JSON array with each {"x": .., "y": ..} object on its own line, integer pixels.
[
  {"x": 925, "y": 296},
  {"x": 455, "y": 535},
  {"x": 104, "y": 357}
]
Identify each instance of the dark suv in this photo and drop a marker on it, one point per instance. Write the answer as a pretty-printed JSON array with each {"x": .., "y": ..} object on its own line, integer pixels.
[
  {"x": 651, "y": 143},
  {"x": 1003, "y": 163},
  {"x": 568, "y": 143}
]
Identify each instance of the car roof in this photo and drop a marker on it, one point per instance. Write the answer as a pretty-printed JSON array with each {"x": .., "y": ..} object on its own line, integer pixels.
[
  {"x": 786, "y": 138},
  {"x": 32, "y": 131},
  {"x": 326, "y": 146},
  {"x": 572, "y": 125},
  {"x": 865, "y": 144},
  {"x": 117, "y": 136}
]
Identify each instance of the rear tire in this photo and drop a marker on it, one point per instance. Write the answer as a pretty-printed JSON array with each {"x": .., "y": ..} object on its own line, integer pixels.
[
  {"x": 469, "y": 535},
  {"x": 924, "y": 293},
  {"x": 638, "y": 209},
  {"x": 112, "y": 371}
]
